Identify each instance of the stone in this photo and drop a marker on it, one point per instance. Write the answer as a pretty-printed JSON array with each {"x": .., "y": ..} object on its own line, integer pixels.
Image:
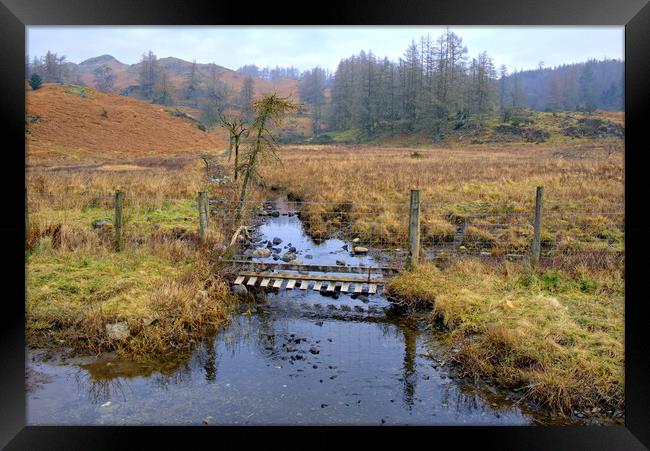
[
  {"x": 277, "y": 240},
  {"x": 118, "y": 331},
  {"x": 100, "y": 223},
  {"x": 314, "y": 350},
  {"x": 275, "y": 214},
  {"x": 296, "y": 262},
  {"x": 356, "y": 240},
  {"x": 309, "y": 256},
  {"x": 289, "y": 256},
  {"x": 261, "y": 253},
  {"x": 239, "y": 290},
  {"x": 292, "y": 249},
  {"x": 341, "y": 263},
  {"x": 360, "y": 250},
  {"x": 148, "y": 321}
]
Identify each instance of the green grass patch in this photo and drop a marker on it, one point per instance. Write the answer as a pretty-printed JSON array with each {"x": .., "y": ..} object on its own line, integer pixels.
[
  {"x": 166, "y": 293},
  {"x": 555, "y": 336}
]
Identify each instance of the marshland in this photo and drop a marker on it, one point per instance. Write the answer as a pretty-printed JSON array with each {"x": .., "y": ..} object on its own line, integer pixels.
[{"x": 477, "y": 331}]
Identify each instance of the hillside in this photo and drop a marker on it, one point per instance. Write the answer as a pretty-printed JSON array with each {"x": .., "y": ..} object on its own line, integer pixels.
[
  {"x": 126, "y": 77},
  {"x": 68, "y": 124}
]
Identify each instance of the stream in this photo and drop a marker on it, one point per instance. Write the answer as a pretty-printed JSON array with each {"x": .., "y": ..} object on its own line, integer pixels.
[{"x": 297, "y": 357}]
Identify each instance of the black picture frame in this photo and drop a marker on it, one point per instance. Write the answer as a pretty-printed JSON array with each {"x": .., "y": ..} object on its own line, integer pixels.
[{"x": 15, "y": 15}]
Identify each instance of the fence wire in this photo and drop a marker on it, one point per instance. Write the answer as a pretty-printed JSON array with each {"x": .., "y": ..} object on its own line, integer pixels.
[{"x": 581, "y": 232}]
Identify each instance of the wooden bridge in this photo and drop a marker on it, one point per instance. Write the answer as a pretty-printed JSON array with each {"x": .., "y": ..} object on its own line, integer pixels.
[{"x": 346, "y": 279}]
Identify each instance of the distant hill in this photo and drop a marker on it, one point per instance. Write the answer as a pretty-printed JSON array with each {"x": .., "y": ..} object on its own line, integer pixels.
[
  {"x": 126, "y": 77},
  {"x": 69, "y": 124}
]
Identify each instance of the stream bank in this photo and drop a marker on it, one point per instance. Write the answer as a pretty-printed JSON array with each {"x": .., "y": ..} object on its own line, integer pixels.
[{"x": 293, "y": 357}]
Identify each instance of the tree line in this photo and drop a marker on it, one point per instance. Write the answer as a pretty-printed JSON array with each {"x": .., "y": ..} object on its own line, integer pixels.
[
  {"x": 268, "y": 73},
  {"x": 436, "y": 87}
]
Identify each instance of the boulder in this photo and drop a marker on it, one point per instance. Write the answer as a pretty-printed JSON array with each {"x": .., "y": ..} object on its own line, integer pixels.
[
  {"x": 261, "y": 253},
  {"x": 296, "y": 262},
  {"x": 277, "y": 240},
  {"x": 118, "y": 331},
  {"x": 360, "y": 250},
  {"x": 341, "y": 263},
  {"x": 356, "y": 240},
  {"x": 239, "y": 290},
  {"x": 289, "y": 256}
]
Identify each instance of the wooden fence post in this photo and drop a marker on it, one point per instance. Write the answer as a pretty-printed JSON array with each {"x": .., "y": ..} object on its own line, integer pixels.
[
  {"x": 203, "y": 215},
  {"x": 414, "y": 229},
  {"x": 537, "y": 227},
  {"x": 119, "y": 195}
]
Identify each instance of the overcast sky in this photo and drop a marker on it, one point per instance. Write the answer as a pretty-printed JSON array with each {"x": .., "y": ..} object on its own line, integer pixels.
[{"x": 324, "y": 46}]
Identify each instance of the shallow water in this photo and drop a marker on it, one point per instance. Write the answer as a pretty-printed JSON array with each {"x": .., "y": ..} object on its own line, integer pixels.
[{"x": 299, "y": 357}]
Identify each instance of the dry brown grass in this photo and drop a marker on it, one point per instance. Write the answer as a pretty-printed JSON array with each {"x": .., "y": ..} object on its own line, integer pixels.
[{"x": 581, "y": 182}]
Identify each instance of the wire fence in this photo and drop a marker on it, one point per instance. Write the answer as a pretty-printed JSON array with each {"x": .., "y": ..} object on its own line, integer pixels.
[{"x": 586, "y": 232}]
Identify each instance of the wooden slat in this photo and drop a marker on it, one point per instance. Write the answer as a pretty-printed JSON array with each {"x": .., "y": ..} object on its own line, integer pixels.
[
  {"x": 344, "y": 287},
  {"x": 317, "y": 285},
  {"x": 239, "y": 280},
  {"x": 331, "y": 286},
  {"x": 266, "y": 266},
  {"x": 304, "y": 284},
  {"x": 283, "y": 275},
  {"x": 265, "y": 282},
  {"x": 278, "y": 283},
  {"x": 251, "y": 281},
  {"x": 358, "y": 288},
  {"x": 372, "y": 289},
  {"x": 290, "y": 284}
]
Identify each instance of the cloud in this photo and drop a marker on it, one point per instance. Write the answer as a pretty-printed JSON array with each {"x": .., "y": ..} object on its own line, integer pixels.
[{"x": 305, "y": 47}]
